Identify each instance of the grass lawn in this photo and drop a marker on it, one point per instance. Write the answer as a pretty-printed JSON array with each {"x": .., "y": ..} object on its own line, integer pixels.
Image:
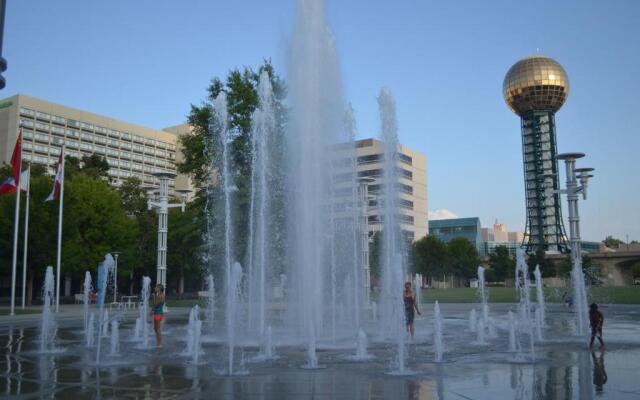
[
  {"x": 603, "y": 295},
  {"x": 5, "y": 311}
]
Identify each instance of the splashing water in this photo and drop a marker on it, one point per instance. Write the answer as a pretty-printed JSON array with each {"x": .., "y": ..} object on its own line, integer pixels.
[
  {"x": 89, "y": 332},
  {"x": 524, "y": 307},
  {"x": 211, "y": 299},
  {"x": 115, "y": 338},
  {"x": 540, "y": 296},
  {"x": 438, "y": 343},
  {"x": 47, "y": 323},
  {"x": 104, "y": 272},
  {"x": 87, "y": 290},
  {"x": 473, "y": 320}
]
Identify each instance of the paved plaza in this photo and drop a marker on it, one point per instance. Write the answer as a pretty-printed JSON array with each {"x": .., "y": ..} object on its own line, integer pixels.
[{"x": 564, "y": 367}]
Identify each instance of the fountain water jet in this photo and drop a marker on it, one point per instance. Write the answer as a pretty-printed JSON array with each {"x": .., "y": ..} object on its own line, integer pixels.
[
  {"x": 540, "y": 296},
  {"x": 89, "y": 330},
  {"x": 47, "y": 323},
  {"x": 438, "y": 343},
  {"x": 211, "y": 299},
  {"x": 259, "y": 240},
  {"x": 233, "y": 300},
  {"x": 105, "y": 270},
  {"x": 524, "y": 307},
  {"x": 512, "y": 334},
  {"x": 393, "y": 242},
  {"x": 87, "y": 290},
  {"x": 473, "y": 320},
  {"x": 115, "y": 338}
]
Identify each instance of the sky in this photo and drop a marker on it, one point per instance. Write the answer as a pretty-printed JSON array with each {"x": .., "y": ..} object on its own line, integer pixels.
[{"x": 147, "y": 61}]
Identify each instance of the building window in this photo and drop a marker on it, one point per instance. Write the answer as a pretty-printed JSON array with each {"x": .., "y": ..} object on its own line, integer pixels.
[
  {"x": 371, "y": 172},
  {"x": 26, "y": 122},
  {"x": 27, "y": 112},
  {"x": 43, "y": 116},
  {"x": 58, "y": 120},
  {"x": 405, "y": 158},
  {"x": 373, "y": 158}
]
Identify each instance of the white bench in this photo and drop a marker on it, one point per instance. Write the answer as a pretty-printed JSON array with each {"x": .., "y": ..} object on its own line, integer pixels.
[
  {"x": 78, "y": 298},
  {"x": 203, "y": 294}
]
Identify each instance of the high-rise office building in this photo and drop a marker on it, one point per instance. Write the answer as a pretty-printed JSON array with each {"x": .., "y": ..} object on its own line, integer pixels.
[
  {"x": 535, "y": 88},
  {"x": 412, "y": 186},
  {"x": 131, "y": 150}
]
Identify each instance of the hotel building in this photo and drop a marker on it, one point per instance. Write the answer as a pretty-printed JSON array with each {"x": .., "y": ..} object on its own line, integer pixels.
[{"x": 131, "y": 150}]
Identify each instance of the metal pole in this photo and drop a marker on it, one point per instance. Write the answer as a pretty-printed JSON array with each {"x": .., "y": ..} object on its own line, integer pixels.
[
  {"x": 26, "y": 236},
  {"x": 59, "y": 230},
  {"x": 162, "y": 231},
  {"x": 16, "y": 229},
  {"x": 115, "y": 276}
]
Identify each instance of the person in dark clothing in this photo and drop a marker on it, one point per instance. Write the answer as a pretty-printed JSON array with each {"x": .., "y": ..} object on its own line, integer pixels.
[
  {"x": 409, "y": 306},
  {"x": 597, "y": 320}
]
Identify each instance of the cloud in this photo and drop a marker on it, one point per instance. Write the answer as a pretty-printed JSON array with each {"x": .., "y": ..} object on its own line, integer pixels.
[{"x": 441, "y": 214}]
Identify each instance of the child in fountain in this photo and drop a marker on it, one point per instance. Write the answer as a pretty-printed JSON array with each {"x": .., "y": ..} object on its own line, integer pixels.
[
  {"x": 597, "y": 320},
  {"x": 409, "y": 306},
  {"x": 158, "y": 312}
]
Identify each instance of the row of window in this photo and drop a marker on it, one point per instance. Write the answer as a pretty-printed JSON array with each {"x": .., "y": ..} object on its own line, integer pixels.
[
  {"x": 377, "y": 189},
  {"x": 55, "y": 119},
  {"x": 146, "y": 177},
  {"x": 402, "y": 218},
  {"x": 404, "y": 203},
  {"x": 403, "y": 173},
  {"x": 89, "y": 137},
  {"x": 102, "y": 150}
]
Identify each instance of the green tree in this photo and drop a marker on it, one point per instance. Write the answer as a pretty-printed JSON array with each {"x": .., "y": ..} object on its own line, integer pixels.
[
  {"x": 202, "y": 152},
  {"x": 430, "y": 256},
  {"x": 612, "y": 242},
  {"x": 502, "y": 264},
  {"x": 539, "y": 258},
  {"x": 463, "y": 257},
  {"x": 184, "y": 241}
]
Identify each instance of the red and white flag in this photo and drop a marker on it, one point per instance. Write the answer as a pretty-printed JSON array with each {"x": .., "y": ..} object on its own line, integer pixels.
[
  {"x": 55, "y": 192},
  {"x": 11, "y": 183}
]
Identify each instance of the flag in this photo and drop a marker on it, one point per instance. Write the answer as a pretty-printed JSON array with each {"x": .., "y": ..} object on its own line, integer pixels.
[
  {"x": 10, "y": 184},
  {"x": 24, "y": 180},
  {"x": 55, "y": 192}
]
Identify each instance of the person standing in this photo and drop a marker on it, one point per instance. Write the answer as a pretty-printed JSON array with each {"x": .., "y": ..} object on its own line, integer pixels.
[
  {"x": 158, "y": 312},
  {"x": 410, "y": 306},
  {"x": 597, "y": 320}
]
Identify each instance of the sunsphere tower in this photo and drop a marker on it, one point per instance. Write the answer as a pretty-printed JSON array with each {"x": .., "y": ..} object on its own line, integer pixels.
[{"x": 535, "y": 88}]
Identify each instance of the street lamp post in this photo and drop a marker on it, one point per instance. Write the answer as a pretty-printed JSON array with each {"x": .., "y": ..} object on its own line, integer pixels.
[
  {"x": 572, "y": 191},
  {"x": 115, "y": 275},
  {"x": 161, "y": 205},
  {"x": 364, "y": 236}
]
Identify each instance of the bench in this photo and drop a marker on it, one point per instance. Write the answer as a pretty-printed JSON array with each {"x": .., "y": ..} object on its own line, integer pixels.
[{"x": 203, "y": 294}]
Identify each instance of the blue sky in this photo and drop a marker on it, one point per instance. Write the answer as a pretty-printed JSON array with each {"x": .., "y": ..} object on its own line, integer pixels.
[{"x": 147, "y": 61}]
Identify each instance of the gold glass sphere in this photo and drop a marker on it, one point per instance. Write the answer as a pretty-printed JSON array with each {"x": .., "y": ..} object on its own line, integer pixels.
[{"x": 535, "y": 83}]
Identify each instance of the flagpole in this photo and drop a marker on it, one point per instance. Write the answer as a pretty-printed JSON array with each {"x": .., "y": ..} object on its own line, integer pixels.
[
  {"x": 16, "y": 229},
  {"x": 26, "y": 235},
  {"x": 59, "y": 231}
]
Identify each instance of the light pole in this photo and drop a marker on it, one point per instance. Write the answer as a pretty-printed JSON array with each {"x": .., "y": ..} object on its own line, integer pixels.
[
  {"x": 162, "y": 206},
  {"x": 364, "y": 235},
  {"x": 572, "y": 191},
  {"x": 115, "y": 275}
]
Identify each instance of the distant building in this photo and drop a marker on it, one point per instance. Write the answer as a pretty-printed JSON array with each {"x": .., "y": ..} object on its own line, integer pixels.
[
  {"x": 412, "y": 186},
  {"x": 130, "y": 150},
  {"x": 468, "y": 228},
  {"x": 499, "y": 236}
]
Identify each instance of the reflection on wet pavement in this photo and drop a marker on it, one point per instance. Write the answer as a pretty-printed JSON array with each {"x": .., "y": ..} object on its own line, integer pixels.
[{"x": 565, "y": 367}]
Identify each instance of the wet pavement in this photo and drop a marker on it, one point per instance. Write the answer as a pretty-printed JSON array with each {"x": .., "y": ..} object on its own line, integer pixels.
[{"x": 564, "y": 367}]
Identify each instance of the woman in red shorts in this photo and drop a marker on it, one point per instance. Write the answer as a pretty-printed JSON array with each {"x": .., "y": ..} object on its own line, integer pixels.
[{"x": 158, "y": 312}]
